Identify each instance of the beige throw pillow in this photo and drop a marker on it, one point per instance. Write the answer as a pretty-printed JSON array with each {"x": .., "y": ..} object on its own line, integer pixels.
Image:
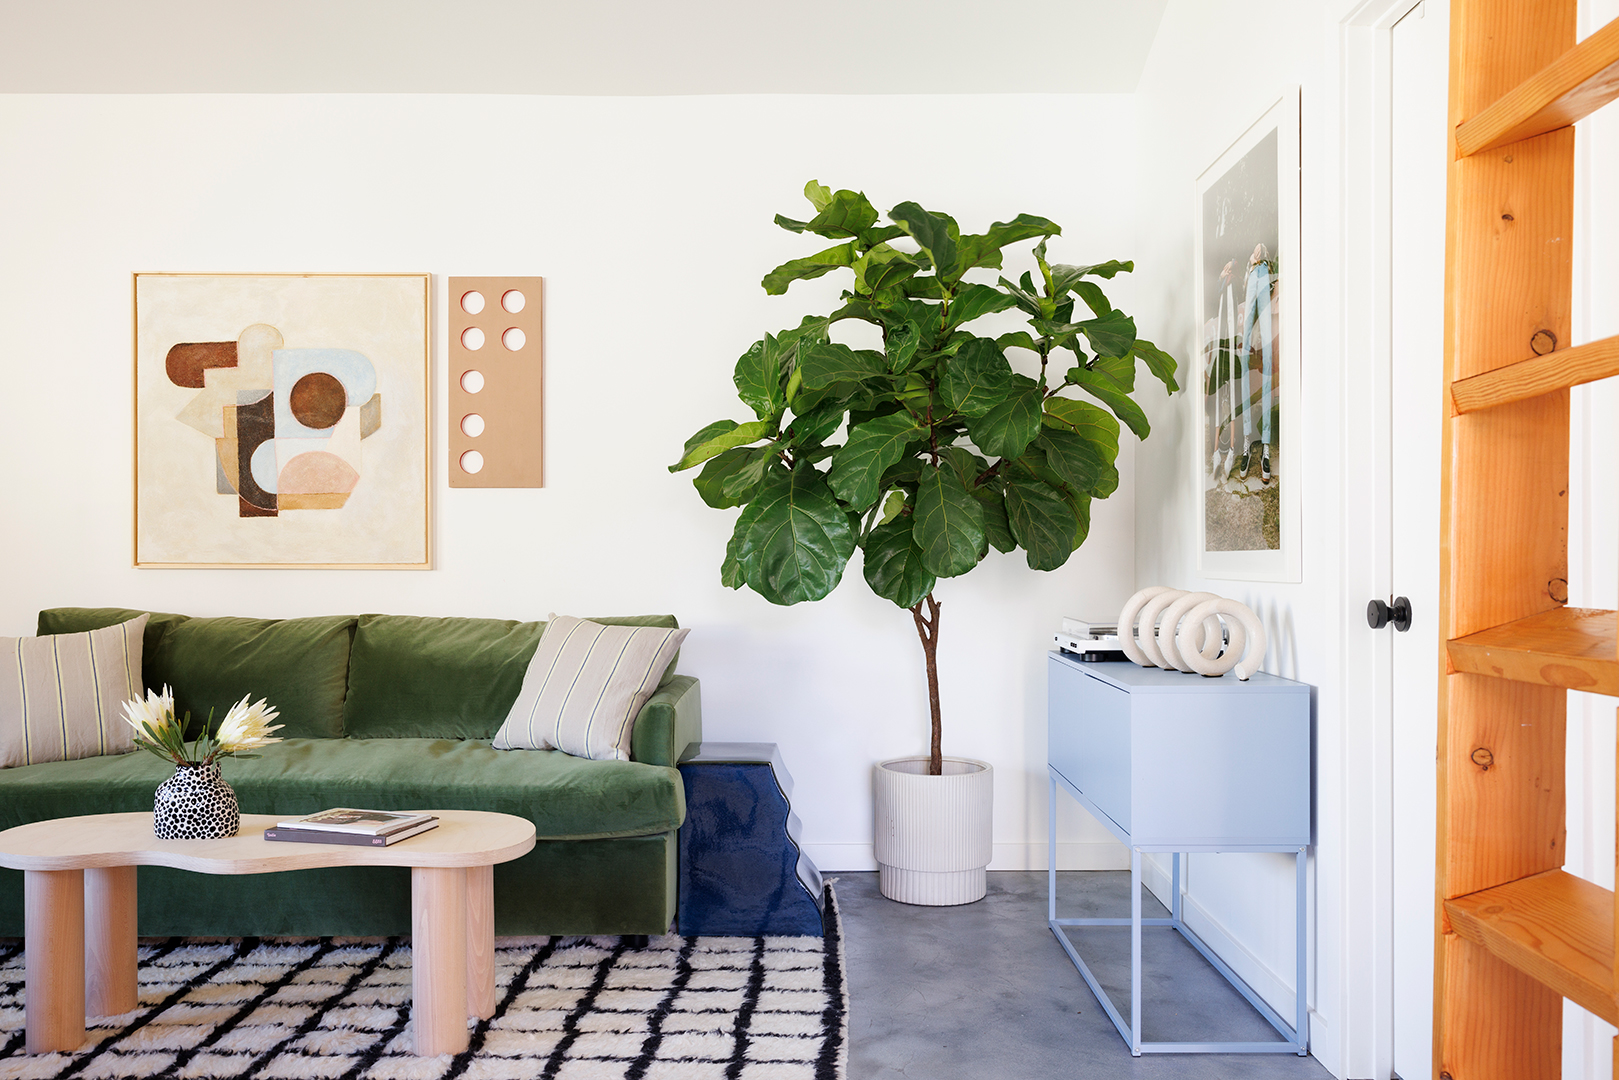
[
  {"x": 585, "y": 687},
  {"x": 62, "y": 695}
]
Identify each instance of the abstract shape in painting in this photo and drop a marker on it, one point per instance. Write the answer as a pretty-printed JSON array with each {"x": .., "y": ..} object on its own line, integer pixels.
[{"x": 286, "y": 423}]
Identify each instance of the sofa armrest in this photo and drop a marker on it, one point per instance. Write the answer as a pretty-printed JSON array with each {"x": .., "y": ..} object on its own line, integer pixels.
[{"x": 670, "y": 721}]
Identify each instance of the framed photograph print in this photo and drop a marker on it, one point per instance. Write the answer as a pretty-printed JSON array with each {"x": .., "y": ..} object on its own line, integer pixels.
[
  {"x": 1246, "y": 292},
  {"x": 282, "y": 420}
]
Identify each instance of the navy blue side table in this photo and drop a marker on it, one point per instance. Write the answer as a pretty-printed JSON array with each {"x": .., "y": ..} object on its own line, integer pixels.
[{"x": 742, "y": 871}]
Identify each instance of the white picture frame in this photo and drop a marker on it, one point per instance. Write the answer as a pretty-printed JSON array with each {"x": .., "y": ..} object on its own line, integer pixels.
[{"x": 1246, "y": 364}]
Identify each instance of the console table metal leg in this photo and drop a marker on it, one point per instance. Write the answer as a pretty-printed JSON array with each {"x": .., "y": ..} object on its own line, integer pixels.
[
  {"x": 1301, "y": 1021},
  {"x": 1135, "y": 952},
  {"x": 1175, "y": 887},
  {"x": 480, "y": 942},
  {"x": 438, "y": 925},
  {"x": 1051, "y": 853},
  {"x": 53, "y": 914},
  {"x": 111, "y": 985}
]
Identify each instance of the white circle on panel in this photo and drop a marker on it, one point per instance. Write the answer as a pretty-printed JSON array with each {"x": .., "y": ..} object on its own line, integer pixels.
[
  {"x": 471, "y": 462},
  {"x": 472, "y": 381},
  {"x": 472, "y": 425},
  {"x": 514, "y": 339},
  {"x": 472, "y": 339},
  {"x": 513, "y": 300},
  {"x": 472, "y": 302}
]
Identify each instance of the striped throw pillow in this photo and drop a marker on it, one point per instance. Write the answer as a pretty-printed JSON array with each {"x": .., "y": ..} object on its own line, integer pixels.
[
  {"x": 585, "y": 687},
  {"x": 62, "y": 695}
]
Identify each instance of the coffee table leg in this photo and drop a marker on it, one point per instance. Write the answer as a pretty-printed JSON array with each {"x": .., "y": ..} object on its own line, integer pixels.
[
  {"x": 480, "y": 942},
  {"x": 53, "y": 914},
  {"x": 110, "y": 985},
  {"x": 438, "y": 924}
]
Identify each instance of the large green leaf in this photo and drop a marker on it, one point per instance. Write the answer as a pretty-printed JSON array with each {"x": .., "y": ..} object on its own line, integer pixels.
[
  {"x": 813, "y": 426},
  {"x": 894, "y": 567},
  {"x": 1158, "y": 362},
  {"x": 843, "y": 214},
  {"x": 1042, "y": 521},
  {"x": 1080, "y": 464},
  {"x": 1017, "y": 339},
  {"x": 949, "y": 524},
  {"x": 976, "y": 378},
  {"x": 935, "y": 234},
  {"x": 732, "y": 478},
  {"x": 719, "y": 440},
  {"x": 1006, "y": 429},
  {"x": 1094, "y": 297},
  {"x": 974, "y": 301},
  {"x": 1112, "y": 334},
  {"x": 1086, "y": 421},
  {"x": 985, "y": 249},
  {"x": 902, "y": 344},
  {"x": 1064, "y": 277},
  {"x": 997, "y": 530},
  {"x": 811, "y": 266},
  {"x": 740, "y": 553},
  {"x": 798, "y": 540},
  {"x": 1102, "y": 386},
  {"x": 858, "y": 467},
  {"x": 825, "y": 363},
  {"x": 1028, "y": 301},
  {"x": 882, "y": 267},
  {"x": 758, "y": 377}
]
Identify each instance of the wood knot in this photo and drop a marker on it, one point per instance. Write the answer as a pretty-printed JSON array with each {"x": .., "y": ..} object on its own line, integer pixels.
[
  {"x": 1506, "y": 217},
  {"x": 1557, "y": 589},
  {"x": 1483, "y": 758},
  {"x": 1543, "y": 342},
  {"x": 1445, "y": 1076}
]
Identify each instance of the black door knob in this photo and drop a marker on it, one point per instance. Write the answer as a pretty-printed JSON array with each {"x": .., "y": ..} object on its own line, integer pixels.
[{"x": 1380, "y": 614}]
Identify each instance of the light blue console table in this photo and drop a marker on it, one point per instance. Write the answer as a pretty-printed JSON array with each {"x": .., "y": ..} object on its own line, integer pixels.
[{"x": 1180, "y": 763}]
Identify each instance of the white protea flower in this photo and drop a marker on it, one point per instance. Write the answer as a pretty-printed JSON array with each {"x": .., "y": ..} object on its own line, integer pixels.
[
  {"x": 247, "y": 727},
  {"x": 153, "y": 717}
]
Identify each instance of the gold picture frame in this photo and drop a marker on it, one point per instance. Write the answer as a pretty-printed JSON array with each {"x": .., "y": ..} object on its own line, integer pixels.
[{"x": 282, "y": 420}]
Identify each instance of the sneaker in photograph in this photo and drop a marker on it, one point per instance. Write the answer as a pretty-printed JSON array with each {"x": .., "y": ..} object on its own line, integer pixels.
[{"x": 1264, "y": 465}]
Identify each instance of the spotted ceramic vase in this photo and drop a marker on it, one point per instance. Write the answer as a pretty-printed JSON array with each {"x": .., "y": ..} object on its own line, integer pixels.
[{"x": 195, "y": 804}]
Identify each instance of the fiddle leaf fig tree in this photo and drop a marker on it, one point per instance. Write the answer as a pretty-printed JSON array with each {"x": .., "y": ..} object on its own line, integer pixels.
[{"x": 947, "y": 449}]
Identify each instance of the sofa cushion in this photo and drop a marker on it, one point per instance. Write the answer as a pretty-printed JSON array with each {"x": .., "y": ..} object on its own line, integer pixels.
[
  {"x": 565, "y": 797},
  {"x": 443, "y": 678},
  {"x": 585, "y": 687},
  {"x": 74, "y": 620},
  {"x": 62, "y": 695},
  {"x": 300, "y": 666}
]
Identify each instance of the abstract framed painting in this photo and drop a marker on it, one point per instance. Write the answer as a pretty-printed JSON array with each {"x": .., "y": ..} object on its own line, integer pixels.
[
  {"x": 1246, "y": 291},
  {"x": 282, "y": 420}
]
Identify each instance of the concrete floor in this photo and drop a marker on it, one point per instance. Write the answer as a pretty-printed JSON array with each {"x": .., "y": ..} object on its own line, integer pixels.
[{"x": 984, "y": 990}]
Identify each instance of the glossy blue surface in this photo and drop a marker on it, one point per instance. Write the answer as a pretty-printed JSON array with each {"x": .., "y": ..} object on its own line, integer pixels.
[{"x": 741, "y": 870}]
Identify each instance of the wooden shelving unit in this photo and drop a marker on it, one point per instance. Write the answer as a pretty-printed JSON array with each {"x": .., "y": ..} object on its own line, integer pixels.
[{"x": 1516, "y": 934}]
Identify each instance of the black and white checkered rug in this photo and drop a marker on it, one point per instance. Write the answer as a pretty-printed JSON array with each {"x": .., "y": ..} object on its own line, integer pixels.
[{"x": 568, "y": 1008}]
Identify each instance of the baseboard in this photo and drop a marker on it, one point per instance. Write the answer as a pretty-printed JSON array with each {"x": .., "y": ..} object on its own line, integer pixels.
[
  {"x": 1092, "y": 855},
  {"x": 1276, "y": 991}
]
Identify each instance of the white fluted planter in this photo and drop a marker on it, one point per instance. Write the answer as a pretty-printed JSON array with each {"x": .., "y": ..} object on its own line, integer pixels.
[{"x": 933, "y": 835}]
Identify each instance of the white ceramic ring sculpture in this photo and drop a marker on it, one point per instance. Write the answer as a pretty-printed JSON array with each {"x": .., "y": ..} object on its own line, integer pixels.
[
  {"x": 1148, "y": 636},
  {"x": 1167, "y": 641},
  {"x": 1249, "y": 644},
  {"x": 1127, "y": 623}
]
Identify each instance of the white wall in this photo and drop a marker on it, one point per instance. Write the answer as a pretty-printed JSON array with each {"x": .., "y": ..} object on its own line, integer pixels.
[
  {"x": 1215, "y": 67},
  {"x": 650, "y": 219}
]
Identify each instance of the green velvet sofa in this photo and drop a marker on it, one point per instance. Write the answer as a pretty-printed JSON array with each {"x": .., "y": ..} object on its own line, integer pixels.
[{"x": 394, "y": 713}]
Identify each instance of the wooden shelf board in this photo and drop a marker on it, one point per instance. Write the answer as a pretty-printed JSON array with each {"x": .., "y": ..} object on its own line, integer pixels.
[
  {"x": 1554, "y": 927},
  {"x": 1574, "y": 648},
  {"x": 1537, "y": 375},
  {"x": 1573, "y": 86}
]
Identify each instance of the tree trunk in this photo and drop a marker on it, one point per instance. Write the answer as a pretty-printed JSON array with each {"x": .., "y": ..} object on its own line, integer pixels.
[{"x": 927, "y": 628}]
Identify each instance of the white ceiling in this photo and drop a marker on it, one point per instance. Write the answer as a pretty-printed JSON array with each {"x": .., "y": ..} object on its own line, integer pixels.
[{"x": 590, "y": 47}]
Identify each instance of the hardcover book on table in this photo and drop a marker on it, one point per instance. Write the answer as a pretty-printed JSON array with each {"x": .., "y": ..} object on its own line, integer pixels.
[
  {"x": 354, "y": 822},
  {"x": 330, "y": 836}
]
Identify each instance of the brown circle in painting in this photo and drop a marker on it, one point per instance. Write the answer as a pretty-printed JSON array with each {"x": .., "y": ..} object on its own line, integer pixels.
[
  {"x": 472, "y": 302},
  {"x": 472, "y": 381},
  {"x": 472, "y": 339},
  {"x": 472, "y": 425},
  {"x": 471, "y": 462},
  {"x": 317, "y": 400},
  {"x": 513, "y": 300},
  {"x": 513, "y": 339}
]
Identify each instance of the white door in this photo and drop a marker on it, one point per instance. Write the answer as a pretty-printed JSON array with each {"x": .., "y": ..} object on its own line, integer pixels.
[{"x": 1420, "y": 65}]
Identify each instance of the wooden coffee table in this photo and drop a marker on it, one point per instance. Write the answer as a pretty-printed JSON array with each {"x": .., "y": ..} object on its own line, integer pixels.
[{"x": 79, "y": 907}]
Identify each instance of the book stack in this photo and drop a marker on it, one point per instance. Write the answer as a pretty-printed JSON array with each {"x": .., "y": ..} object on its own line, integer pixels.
[
  {"x": 344, "y": 825},
  {"x": 1091, "y": 641}
]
